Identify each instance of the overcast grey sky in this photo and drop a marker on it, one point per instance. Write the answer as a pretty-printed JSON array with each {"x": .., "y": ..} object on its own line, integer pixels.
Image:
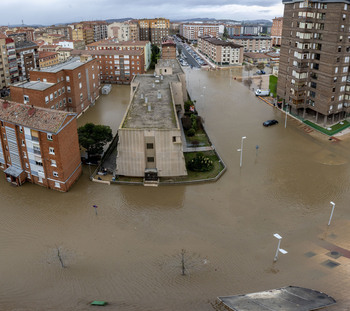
[{"x": 48, "y": 12}]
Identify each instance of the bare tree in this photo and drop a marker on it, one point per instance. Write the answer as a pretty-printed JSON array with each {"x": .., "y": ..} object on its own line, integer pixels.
[
  {"x": 248, "y": 82},
  {"x": 249, "y": 68}
]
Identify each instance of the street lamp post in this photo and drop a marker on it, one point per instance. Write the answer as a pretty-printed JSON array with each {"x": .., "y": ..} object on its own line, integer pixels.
[
  {"x": 330, "y": 218},
  {"x": 277, "y": 236},
  {"x": 285, "y": 121},
  {"x": 241, "y": 150}
]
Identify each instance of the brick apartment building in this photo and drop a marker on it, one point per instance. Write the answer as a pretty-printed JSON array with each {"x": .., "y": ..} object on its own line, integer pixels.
[
  {"x": 253, "y": 43},
  {"x": 39, "y": 145},
  {"x": 155, "y": 30},
  {"x": 117, "y": 66},
  {"x": 168, "y": 50},
  {"x": 221, "y": 52},
  {"x": 276, "y": 31},
  {"x": 314, "y": 62},
  {"x": 27, "y": 58},
  {"x": 47, "y": 59},
  {"x": 71, "y": 86},
  {"x": 111, "y": 44},
  {"x": 66, "y": 31},
  {"x": 192, "y": 31}
]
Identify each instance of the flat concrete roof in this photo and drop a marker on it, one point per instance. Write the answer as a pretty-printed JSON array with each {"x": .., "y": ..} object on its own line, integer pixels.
[
  {"x": 68, "y": 65},
  {"x": 161, "y": 114},
  {"x": 170, "y": 63},
  {"x": 34, "y": 85},
  {"x": 290, "y": 298}
]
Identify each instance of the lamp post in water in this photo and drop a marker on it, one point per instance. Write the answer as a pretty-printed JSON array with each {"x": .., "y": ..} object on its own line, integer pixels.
[
  {"x": 285, "y": 121},
  {"x": 330, "y": 218},
  {"x": 241, "y": 150},
  {"x": 277, "y": 236}
]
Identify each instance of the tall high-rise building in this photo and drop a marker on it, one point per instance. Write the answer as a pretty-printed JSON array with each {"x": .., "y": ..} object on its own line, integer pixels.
[
  {"x": 314, "y": 63},
  {"x": 155, "y": 30},
  {"x": 276, "y": 30}
]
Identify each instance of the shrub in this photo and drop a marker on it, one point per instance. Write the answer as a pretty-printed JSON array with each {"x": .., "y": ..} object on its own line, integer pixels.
[
  {"x": 200, "y": 163},
  {"x": 194, "y": 122},
  {"x": 187, "y": 105},
  {"x": 186, "y": 123},
  {"x": 191, "y": 132}
]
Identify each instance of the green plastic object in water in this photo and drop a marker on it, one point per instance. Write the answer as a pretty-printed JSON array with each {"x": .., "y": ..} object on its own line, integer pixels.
[{"x": 99, "y": 303}]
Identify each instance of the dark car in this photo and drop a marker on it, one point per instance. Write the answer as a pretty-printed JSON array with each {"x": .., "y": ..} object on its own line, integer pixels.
[{"x": 270, "y": 122}]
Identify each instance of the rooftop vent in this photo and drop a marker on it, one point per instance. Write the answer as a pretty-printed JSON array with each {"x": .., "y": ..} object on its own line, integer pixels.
[
  {"x": 142, "y": 96},
  {"x": 146, "y": 100},
  {"x": 149, "y": 108},
  {"x": 159, "y": 94},
  {"x": 153, "y": 85}
]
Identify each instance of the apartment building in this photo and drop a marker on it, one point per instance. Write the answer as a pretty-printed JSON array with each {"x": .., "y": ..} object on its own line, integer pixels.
[
  {"x": 66, "y": 31},
  {"x": 192, "y": 31},
  {"x": 253, "y": 43},
  {"x": 112, "y": 44},
  {"x": 27, "y": 58},
  {"x": 80, "y": 31},
  {"x": 155, "y": 30},
  {"x": 221, "y": 52},
  {"x": 150, "y": 144},
  {"x": 47, "y": 59},
  {"x": 314, "y": 62},
  {"x": 168, "y": 50},
  {"x": 71, "y": 86},
  {"x": 4, "y": 70},
  {"x": 276, "y": 31},
  {"x": 233, "y": 30},
  {"x": 39, "y": 145},
  {"x": 134, "y": 32},
  {"x": 117, "y": 66},
  {"x": 72, "y": 44},
  {"x": 120, "y": 31},
  {"x": 12, "y": 60}
]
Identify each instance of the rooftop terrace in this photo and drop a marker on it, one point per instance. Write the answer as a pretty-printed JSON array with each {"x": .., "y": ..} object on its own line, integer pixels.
[{"x": 161, "y": 114}]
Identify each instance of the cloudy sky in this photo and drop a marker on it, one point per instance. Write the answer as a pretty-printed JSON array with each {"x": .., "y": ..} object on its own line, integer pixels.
[{"x": 48, "y": 12}]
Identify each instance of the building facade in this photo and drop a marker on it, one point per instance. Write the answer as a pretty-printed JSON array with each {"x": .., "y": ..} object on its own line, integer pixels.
[
  {"x": 192, "y": 31},
  {"x": 4, "y": 64},
  {"x": 253, "y": 43},
  {"x": 221, "y": 52},
  {"x": 168, "y": 50},
  {"x": 39, "y": 145},
  {"x": 314, "y": 62},
  {"x": 71, "y": 86},
  {"x": 117, "y": 66},
  {"x": 276, "y": 31},
  {"x": 47, "y": 59},
  {"x": 155, "y": 30},
  {"x": 115, "y": 45},
  {"x": 27, "y": 55},
  {"x": 150, "y": 144}
]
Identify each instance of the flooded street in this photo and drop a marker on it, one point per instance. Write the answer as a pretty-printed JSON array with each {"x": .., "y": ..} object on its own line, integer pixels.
[{"x": 129, "y": 254}]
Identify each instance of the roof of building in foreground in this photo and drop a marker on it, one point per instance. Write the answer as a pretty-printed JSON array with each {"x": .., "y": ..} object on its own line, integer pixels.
[
  {"x": 157, "y": 113},
  {"x": 70, "y": 64},
  {"x": 34, "y": 85},
  {"x": 173, "y": 63},
  {"x": 41, "y": 119}
]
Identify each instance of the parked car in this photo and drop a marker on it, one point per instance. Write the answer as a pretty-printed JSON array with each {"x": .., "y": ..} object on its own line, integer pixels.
[
  {"x": 260, "y": 72},
  {"x": 259, "y": 92},
  {"x": 270, "y": 122}
]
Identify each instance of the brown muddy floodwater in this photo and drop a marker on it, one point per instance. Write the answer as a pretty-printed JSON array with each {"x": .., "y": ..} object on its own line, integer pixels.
[{"x": 130, "y": 253}]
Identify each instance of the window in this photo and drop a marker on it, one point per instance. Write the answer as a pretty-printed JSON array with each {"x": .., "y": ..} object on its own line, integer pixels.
[
  {"x": 59, "y": 92},
  {"x": 63, "y": 90},
  {"x": 69, "y": 100},
  {"x": 57, "y": 184},
  {"x": 55, "y": 174},
  {"x": 150, "y": 159},
  {"x": 24, "y": 155},
  {"x": 46, "y": 99},
  {"x": 56, "y": 94},
  {"x": 81, "y": 96},
  {"x": 39, "y": 163},
  {"x": 26, "y": 98},
  {"x": 51, "y": 150},
  {"x": 23, "y": 143},
  {"x": 53, "y": 163},
  {"x": 150, "y": 146},
  {"x": 49, "y": 136},
  {"x": 67, "y": 78},
  {"x": 51, "y": 97},
  {"x": 68, "y": 89},
  {"x": 79, "y": 75}
]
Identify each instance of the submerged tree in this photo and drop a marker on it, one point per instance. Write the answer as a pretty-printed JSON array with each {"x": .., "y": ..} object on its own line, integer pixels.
[{"x": 93, "y": 137}]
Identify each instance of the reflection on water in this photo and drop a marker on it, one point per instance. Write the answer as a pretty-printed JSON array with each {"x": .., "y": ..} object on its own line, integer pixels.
[{"x": 130, "y": 253}]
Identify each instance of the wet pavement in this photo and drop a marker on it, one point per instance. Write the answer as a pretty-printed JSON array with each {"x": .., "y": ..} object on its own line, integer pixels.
[{"x": 129, "y": 254}]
